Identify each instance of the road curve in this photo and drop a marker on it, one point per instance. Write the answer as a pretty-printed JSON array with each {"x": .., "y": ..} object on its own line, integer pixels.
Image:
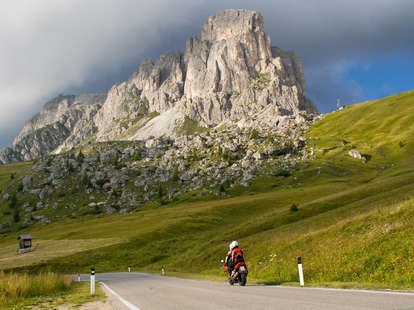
[{"x": 151, "y": 292}]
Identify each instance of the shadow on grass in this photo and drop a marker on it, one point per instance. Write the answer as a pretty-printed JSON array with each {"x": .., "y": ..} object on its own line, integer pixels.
[{"x": 367, "y": 157}]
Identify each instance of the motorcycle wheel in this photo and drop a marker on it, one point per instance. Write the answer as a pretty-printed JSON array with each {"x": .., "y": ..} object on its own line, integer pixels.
[
  {"x": 231, "y": 282},
  {"x": 243, "y": 281}
]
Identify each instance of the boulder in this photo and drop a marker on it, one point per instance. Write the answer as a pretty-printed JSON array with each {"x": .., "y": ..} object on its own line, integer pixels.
[
  {"x": 26, "y": 181},
  {"x": 257, "y": 156},
  {"x": 354, "y": 153},
  {"x": 45, "y": 191},
  {"x": 108, "y": 156},
  {"x": 109, "y": 210}
]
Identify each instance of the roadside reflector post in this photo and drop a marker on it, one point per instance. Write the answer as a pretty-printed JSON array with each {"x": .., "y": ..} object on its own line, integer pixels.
[
  {"x": 301, "y": 281},
  {"x": 129, "y": 268},
  {"x": 162, "y": 271},
  {"x": 92, "y": 281},
  {"x": 78, "y": 277}
]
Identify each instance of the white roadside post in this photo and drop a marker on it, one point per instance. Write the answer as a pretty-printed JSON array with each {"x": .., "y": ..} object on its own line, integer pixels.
[
  {"x": 162, "y": 271},
  {"x": 78, "y": 277},
  {"x": 302, "y": 282},
  {"x": 92, "y": 281},
  {"x": 129, "y": 268}
]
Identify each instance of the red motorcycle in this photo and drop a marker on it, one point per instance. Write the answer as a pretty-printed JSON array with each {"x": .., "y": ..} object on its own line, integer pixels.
[{"x": 238, "y": 275}]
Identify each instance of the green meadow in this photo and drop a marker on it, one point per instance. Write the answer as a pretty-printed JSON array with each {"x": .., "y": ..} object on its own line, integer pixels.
[{"x": 350, "y": 220}]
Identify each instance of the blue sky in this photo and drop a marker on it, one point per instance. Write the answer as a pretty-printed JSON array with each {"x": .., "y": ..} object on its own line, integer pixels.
[
  {"x": 353, "y": 50},
  {"x": 359, "y": 79},
  {"x": 381, "y": 77}
]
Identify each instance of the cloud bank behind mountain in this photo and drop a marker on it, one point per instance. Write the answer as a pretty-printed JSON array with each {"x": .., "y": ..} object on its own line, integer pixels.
[{"x": 57, "y": 46}]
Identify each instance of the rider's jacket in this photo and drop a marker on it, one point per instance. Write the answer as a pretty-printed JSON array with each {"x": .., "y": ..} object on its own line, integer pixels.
[
  {"x": 234, "y": 257},
  {"x": 237, "y": 255}
]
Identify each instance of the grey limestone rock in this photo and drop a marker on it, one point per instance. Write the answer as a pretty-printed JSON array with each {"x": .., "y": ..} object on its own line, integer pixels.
[
  {"x": 228, "y": 72},
  {"x": 354, "y": 153},
  {"x": 44, "y": 192},
  {"x": 62, "y": 123},
  {"x": 26, "y": 181},
  {"x": 109, "y": 210}
]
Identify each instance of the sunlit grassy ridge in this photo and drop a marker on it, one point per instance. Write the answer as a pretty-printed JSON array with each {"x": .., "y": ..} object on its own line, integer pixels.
[
  {"x": 382, "y": 129},
  {"x": 352, "y": 224}
]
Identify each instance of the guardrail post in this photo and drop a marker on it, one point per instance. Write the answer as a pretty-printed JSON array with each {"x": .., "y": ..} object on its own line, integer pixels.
[
  {"x": 92, "y": 281},
  {"x": 301, "y": 281}
]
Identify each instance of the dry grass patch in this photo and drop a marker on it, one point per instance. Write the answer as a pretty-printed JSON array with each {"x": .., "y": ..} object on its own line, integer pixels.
[{"x": 16, "y": 287}]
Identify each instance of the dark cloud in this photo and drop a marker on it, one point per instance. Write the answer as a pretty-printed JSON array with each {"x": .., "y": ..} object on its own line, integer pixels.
[
  {"x": 326, "y": 83},
  {"x": 56, "y": 46}
]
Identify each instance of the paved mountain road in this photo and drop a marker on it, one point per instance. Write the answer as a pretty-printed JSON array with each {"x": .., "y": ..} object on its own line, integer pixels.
[{"x": 151, "y": 292}]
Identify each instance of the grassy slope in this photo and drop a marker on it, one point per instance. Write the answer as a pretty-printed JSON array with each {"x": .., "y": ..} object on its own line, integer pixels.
[
  {"x": 353, "y": 224},
  {"x": 7, "y": 172},
  {"x": 15, "y": 169}
]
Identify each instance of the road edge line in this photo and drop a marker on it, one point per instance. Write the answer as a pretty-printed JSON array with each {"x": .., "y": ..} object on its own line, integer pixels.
[
  {"x": 123, "y": 300},
  {"x": 352, "y": 290}
]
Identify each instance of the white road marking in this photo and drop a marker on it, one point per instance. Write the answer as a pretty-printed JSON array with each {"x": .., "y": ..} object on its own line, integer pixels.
[
  {"x": 348, "y": 290},
  {"x": 123, "y": 300}
]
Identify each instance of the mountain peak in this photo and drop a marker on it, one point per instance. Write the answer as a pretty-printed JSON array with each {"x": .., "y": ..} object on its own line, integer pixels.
[
  {"x": 227, "y": 74},
  {"x": 230, "y": 23}
]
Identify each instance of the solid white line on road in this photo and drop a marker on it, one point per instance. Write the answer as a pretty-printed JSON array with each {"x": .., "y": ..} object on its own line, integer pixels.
[
  {"x": 130, "y": 305},
  {"x": 349, "y": 290}
]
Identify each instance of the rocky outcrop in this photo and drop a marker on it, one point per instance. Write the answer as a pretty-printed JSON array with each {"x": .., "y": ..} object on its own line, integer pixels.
[
  {"x": 35, "y": 144},
  {"x": 61, "y": 124},
  {"x": 229, "y": 72},
  {"x": 127, "y": 176}
]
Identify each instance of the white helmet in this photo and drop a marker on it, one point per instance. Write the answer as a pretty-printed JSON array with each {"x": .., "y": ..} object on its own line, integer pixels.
[{"x": 233, "y": 244}]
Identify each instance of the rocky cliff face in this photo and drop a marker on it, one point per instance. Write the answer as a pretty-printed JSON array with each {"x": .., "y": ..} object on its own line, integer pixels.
[
  {"x": 228, "y": 74},
  {"x": 61, "y": 124}
]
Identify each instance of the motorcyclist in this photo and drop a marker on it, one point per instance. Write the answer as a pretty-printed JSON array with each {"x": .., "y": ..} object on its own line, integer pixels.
[{"x": 234, "y": 256}]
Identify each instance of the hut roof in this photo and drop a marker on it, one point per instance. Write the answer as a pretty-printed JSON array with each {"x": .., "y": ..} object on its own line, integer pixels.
[{"x": 25, "y": 237}]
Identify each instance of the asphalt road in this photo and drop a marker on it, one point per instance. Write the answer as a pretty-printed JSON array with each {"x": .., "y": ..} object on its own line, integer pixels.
[{"x": 150, "y": 292}]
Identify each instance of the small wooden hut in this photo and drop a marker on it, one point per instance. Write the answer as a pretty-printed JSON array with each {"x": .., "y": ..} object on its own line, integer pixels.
[{"x": 25, "y": 243}]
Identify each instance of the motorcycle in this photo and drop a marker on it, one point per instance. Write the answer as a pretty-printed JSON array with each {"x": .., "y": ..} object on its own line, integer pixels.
[{"x": 238, "y": 275}]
